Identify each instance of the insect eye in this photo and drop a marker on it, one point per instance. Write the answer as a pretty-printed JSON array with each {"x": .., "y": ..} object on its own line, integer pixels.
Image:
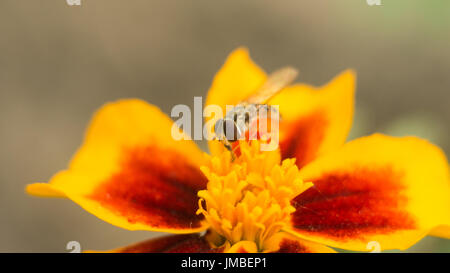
[{"x": 232, "y": 132}]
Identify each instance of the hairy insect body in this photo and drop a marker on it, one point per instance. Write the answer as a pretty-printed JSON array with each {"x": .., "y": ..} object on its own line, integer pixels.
[
  {"x": 246, "y": 122},
  {"x": 251, "y": 118}
]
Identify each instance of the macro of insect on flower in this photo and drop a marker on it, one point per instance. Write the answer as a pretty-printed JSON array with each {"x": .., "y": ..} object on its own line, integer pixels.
[{"x": 314, "y": 193}]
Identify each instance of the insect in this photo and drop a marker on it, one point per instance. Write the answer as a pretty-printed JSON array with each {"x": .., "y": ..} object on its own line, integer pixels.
[{"x": 242, "y": 120}]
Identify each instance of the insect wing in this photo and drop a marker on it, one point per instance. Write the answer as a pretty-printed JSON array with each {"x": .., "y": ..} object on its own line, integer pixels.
[{"x": 274, "y": 84}]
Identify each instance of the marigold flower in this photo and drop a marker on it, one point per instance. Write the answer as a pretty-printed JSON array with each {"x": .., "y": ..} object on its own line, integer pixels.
[{"x": 313, "y": 193}]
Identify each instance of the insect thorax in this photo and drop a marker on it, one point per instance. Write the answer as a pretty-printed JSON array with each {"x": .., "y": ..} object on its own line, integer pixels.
[
  {"x": 248, "y": 112},
  {"x": 238, "y": 120}
]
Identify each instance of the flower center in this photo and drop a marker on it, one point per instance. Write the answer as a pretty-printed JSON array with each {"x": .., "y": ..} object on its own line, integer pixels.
[{"x": 249, "y": 198}]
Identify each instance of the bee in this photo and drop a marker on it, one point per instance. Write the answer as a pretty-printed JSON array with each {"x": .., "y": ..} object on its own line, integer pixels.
[{"x": 242, "y": 119}]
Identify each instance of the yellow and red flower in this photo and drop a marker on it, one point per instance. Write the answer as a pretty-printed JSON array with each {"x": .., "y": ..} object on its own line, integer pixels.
[{"x": 313, "y": 193}]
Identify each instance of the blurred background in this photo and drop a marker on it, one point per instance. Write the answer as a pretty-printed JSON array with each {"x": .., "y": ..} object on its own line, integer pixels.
[{"x": 59, "y": 63}]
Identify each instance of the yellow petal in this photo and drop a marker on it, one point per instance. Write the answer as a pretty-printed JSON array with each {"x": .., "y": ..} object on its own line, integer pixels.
[
  {"x": 44, "y": 190},
  {"x": 131, "y": 173},
  {"x": 243, "y": 247},
  {"x": 389, "y": 190},
  {"x": 287, "y": 243},
  {"x": 442, "y": 231},
  {"x": 315, "y": 121}
]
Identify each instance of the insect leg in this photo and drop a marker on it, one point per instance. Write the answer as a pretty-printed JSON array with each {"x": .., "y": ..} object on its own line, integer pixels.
[{"x": 228, "y": 146}]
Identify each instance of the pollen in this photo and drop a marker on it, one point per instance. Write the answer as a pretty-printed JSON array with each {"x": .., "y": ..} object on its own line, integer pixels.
[{"x": 249, "y": 198}]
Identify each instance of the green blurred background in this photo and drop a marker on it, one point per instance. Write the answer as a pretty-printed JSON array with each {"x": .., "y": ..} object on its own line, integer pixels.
[{"x": 59, "y": 63}]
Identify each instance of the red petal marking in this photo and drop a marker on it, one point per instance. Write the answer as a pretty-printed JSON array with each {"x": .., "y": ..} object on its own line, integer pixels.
[
  {"x": 195, "y": 244},
  {"x": 155, "y": 245},
  {"x": 236, "y": 149},
  {"x": 302, "y": 138},
  {"x": 156, "y": 187},
  {"x": 241, "y": 250},
  {"x": 353, "y": 204},
  {"x": 291, "y": 246},
  {"x": 191, "y": 243}
]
